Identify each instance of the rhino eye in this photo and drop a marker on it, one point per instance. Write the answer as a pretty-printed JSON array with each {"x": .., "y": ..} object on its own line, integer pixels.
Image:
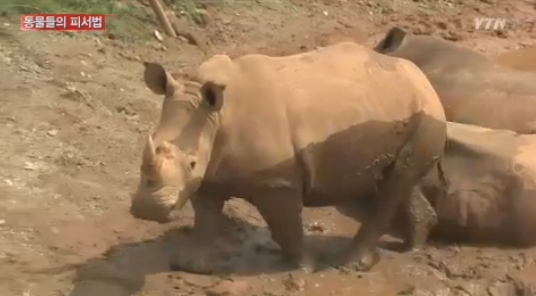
[
  {"x": 192, "y": 165},
  {"x": 150, "y": 183}
]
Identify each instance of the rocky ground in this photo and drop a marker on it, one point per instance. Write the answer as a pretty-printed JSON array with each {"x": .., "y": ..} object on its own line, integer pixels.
[{"x": 74, "y": 112}]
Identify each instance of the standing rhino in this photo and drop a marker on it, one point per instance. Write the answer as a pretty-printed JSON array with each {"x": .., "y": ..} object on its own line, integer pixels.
[
  {"x": 522, "y": 59},
  {"x": 472, "y": 88},
  {"x": 315, "y": 129},
  {"x": 491, "y": 192}
]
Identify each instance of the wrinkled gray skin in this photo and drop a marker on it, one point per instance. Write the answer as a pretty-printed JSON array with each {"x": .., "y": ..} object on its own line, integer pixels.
[
  {"x": 473, "y": 89},
  {"x": 307, "y": 130},
  {"x": 489, "y": 198}
]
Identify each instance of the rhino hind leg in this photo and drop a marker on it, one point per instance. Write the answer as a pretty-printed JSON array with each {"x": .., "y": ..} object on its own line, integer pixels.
[
  {"x": 414, "y": 160},
  {"x": 420, "y": 218},
  {"x": 393, "y": 191},
  {"x": 197, "y": 254}
]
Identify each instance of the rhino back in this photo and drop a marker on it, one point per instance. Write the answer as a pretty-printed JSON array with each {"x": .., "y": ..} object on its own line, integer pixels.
[
  {"x": 335, "y": 116},
  {"x": 498, "y": 98},
  {"x": 488, "y": 199},
  {"x": 472, "y": 87},
  {"x": 436, "y": 55}
]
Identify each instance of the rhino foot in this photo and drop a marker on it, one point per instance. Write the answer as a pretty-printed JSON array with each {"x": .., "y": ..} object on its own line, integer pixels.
[
  {"x": 362, "y": 261},
  {"x": 304, "y": 263},
  {"x": 349, "y": 260}
]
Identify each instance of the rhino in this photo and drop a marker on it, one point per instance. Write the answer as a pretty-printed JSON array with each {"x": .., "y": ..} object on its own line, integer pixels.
[
  {"x": 320, "y": 128},
  {"x": 473, "y": 89},
  {"x": 491, "y": 192},
  {"x": 522, "y": 59}
]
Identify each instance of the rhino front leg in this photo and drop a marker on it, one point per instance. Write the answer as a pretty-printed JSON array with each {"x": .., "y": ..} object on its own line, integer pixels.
[
  {"x": 282, "y": 211},
  {"x": 198, "y": 253}
]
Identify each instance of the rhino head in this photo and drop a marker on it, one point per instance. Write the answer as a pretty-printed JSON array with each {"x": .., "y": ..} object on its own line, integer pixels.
[{"x": 176, "y": 156}]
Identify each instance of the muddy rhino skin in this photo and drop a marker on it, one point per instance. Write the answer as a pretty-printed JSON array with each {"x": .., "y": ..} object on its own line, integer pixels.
[
  {"x": 491, "y": 193},
  {"x": 315, "y": 129}
]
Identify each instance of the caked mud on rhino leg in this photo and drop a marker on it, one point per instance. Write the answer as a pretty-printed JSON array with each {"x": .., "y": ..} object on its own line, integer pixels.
[
  {"x": 285, "y": 224},
  {"x": 199, "y": 255},
  {"x": 420, "y": 218},
  {"x": 394, "y": 190},
  {"x": 414, "y": 160}
]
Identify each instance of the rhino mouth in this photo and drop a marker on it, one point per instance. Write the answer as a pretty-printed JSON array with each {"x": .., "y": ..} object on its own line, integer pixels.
[
  {"x": 155, "y": 213},
  {"x": 157, "y": 206}
]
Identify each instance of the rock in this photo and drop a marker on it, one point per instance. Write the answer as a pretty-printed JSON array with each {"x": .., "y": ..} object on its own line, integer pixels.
[
  {"x": 52, "y": 133},
  {"x": 229, "y": 288},
  {"x": 30, "y": 166},
  {"x": 316, "y": 227},
  {"x": 158, "y": 36},
  {"x": 294, "y": 284},
  {"x": 202, "y": 17},
  {"x": 498, "y": 288}
]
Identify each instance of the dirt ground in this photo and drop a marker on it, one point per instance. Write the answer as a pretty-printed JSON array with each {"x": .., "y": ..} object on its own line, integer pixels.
[{"x": 74, "y": 112}]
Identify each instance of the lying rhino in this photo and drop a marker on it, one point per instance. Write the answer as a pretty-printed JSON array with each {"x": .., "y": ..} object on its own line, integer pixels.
[
  {"x": 522, "y": 59},
  {"x": 472, "y": 88},
  {"x": 314, "y": 129},
  {"x": 491, "y": 192}
]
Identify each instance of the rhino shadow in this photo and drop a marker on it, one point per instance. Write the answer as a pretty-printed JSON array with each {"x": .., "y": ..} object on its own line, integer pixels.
[
  {"x": 248, "y": 249},
  {"x": 122, "y": 269}
]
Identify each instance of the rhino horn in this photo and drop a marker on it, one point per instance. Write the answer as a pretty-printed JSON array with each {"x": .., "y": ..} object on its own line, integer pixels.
[{"x": 150, "y": 150}]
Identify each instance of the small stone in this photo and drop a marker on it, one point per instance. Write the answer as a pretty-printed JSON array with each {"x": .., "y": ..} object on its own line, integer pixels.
[
  {"x": 52, "y": 133},
  {"x": 316, "y": 227},
  {"x": 8, "y": 182},
  {"x": 229, "y": 288},
  {"x": 293, "y": 283},
  {"x": 202, "y": 17},
  {"x": 2, "y": 221},
  {"x": 30, "y": 166},
  {"x": 158, "y": 36}
]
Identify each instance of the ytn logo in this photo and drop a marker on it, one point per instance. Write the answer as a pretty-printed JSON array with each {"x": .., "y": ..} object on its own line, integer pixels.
[
  {"x": 502, "y": 24},
  {"x": 490, "y": 23}
]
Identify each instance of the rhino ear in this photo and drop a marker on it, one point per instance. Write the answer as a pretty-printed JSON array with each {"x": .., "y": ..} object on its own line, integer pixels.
[
  {"x": 212, "y": 94},
  {"x": 158, "y": 80},
  {"x": 392, "y": 40}
]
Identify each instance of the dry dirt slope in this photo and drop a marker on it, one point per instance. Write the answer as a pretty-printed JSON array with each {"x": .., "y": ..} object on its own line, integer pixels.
[{"x": 73, "y": 113}]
